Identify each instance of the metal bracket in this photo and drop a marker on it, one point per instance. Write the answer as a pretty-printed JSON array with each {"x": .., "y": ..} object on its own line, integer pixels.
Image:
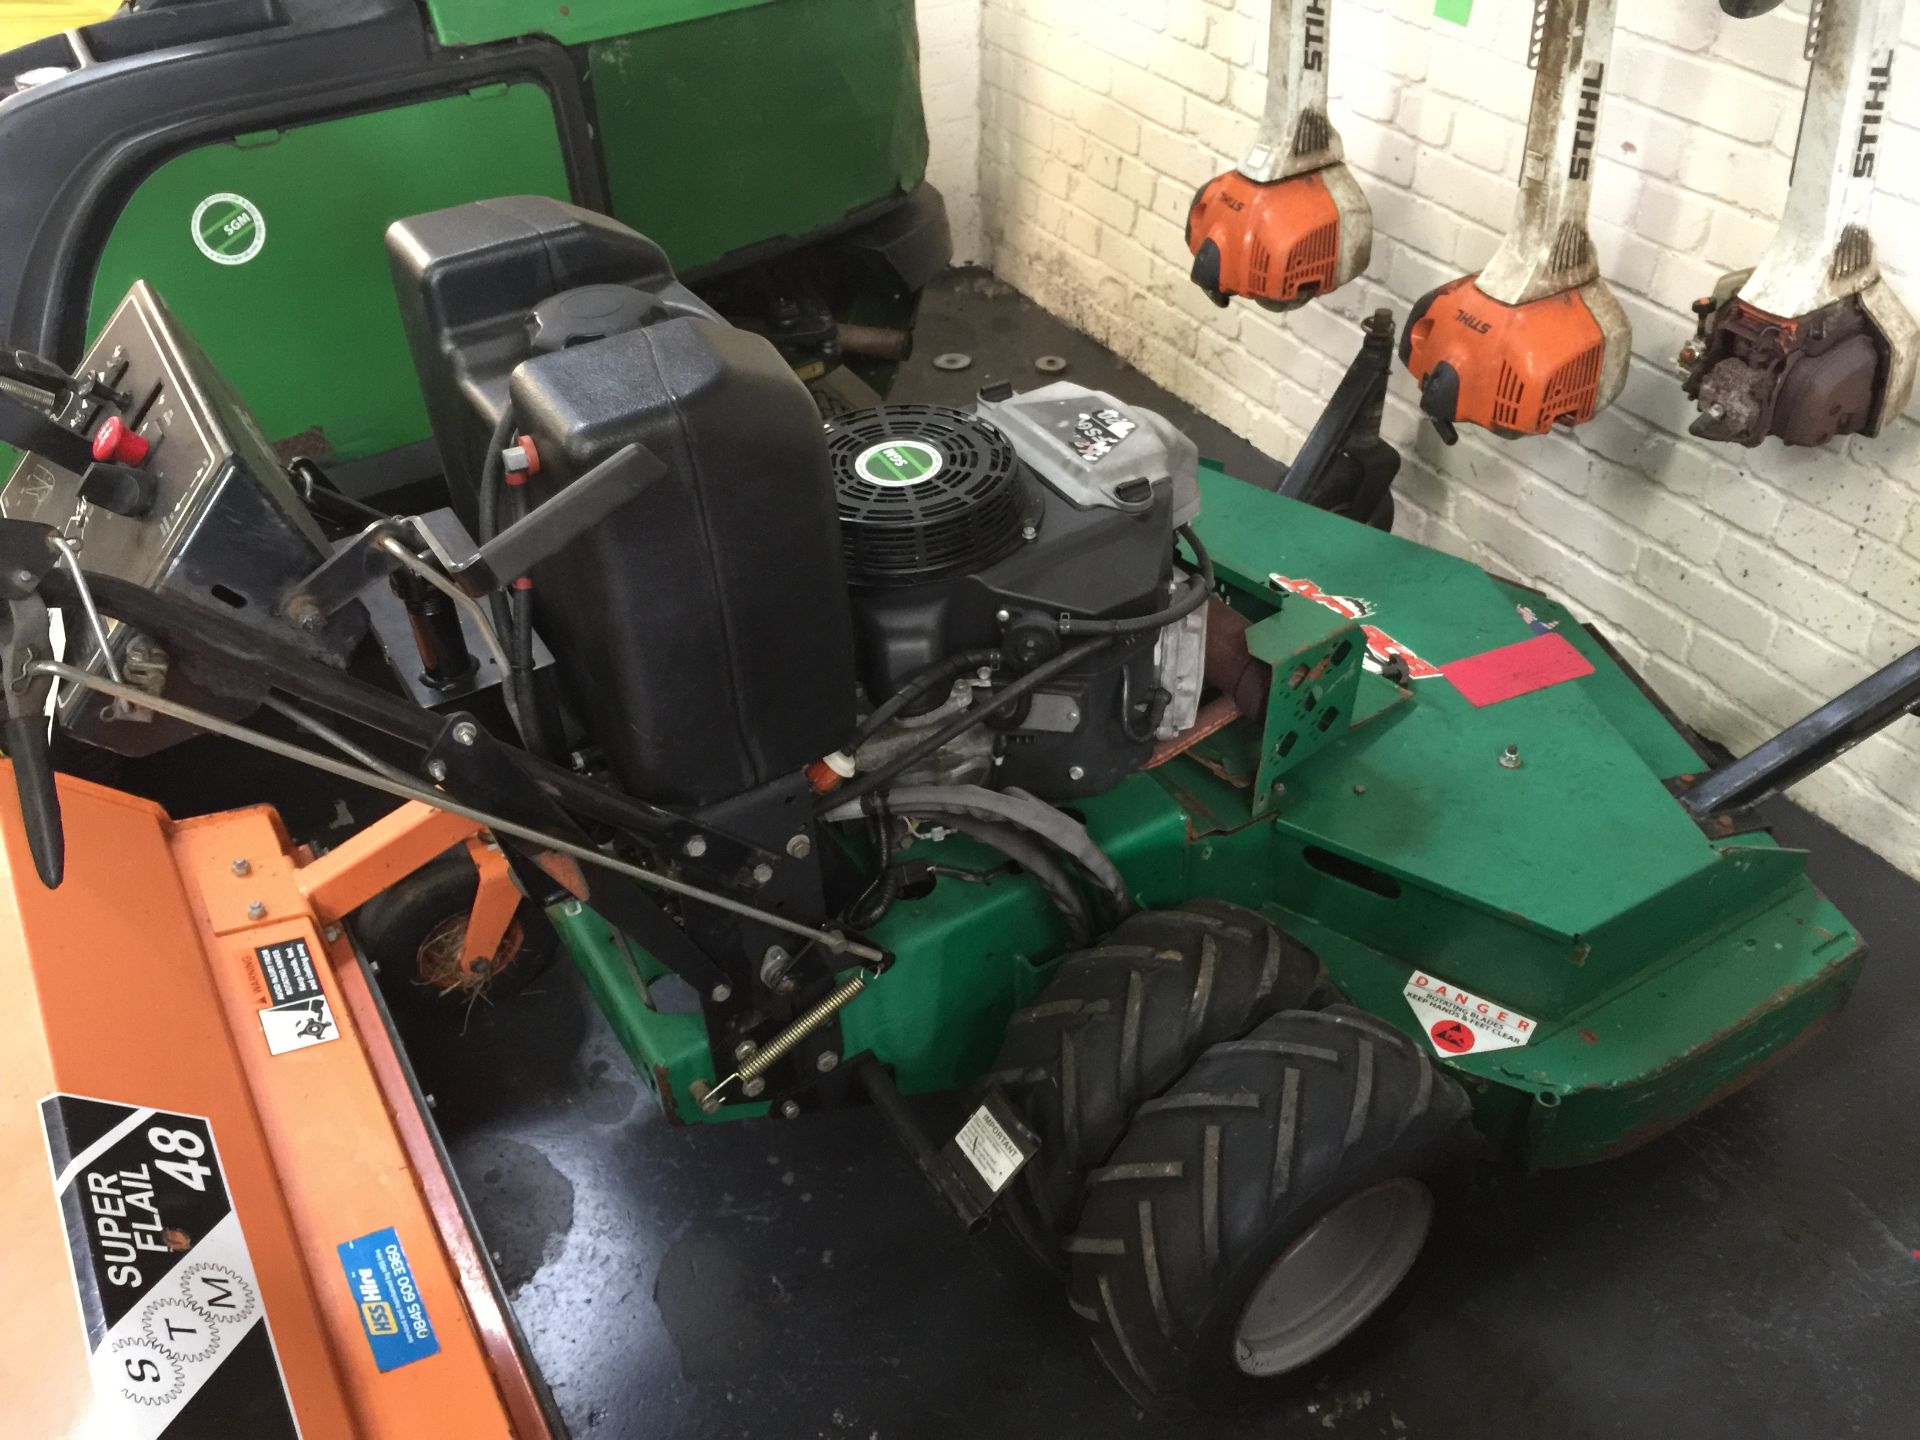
[
  {"x": 473, "y": 767},
  {"x": 579, "y": 508}
]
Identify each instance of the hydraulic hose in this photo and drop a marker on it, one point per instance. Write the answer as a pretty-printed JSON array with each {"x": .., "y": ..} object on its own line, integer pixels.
[
  {"x": 1191, "y": 599},
  {"x": 493, "y": 467}
]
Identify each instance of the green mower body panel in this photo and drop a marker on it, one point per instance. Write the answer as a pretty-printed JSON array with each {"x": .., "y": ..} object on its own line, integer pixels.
[
  {"x": 1658, "y": 969},
  {"x": 317, "y": 291},
  {"x": 778, "y": 135}
]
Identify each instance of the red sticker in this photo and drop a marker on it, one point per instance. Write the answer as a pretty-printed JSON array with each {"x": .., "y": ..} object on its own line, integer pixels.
[
  {"x": 1535, "y": 664},
  {"x": 1451, "y": 1036}
]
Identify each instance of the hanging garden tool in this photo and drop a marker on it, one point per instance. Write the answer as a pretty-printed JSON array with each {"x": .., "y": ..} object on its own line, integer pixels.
[
  {"x": 1291, "y": 223},
  {"x": 1812, "y": 342},
  {"x": 1536, "y": 339}
]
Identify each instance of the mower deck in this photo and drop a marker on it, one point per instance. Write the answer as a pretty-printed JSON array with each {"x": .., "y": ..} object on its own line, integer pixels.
[{"x": 1661, "y": 969}]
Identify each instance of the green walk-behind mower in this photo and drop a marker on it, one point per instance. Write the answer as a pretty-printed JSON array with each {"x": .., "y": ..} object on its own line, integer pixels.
[
  {"x": 1236, "y": 862},
  {"x": 245, "y": 157}
]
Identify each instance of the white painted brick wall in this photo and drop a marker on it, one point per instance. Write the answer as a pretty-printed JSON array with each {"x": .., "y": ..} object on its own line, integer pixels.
[
  {"x": 950, "y": 53},
  {"x": 1747, "y": 585}
]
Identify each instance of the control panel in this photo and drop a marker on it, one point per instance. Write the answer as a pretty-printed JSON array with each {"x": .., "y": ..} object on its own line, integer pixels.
[{"x": 167, "y": 483}]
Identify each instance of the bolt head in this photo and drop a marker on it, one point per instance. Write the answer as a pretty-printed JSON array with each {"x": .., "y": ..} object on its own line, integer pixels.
[
  {"x": 762, "y": 873},
  {"x": 1077, "y": 772},
  {"x": 753, "y": 1089},
  {"x": 331, "y": 933},
  {"x": 242, "y": 867},
  {"x": 256, "y": 910},
  {"x": 745, "y": 1050},
  {"x": 437, "y": 770},
  {"x": 1359, "y": 789},
  {"x": 790, "y": 1109},
  {"x": 1003, "y": 616},
  {"x": 721, "y": 993},
  {"x": 800, "y": 847},
  {"x": 465, "y": 733},
  {"x": 1029, "y": 531},
  {"x": 1510, "y": 758},
  {"x": 695, "y": 847},
  {"x": 827, "y": 1061}
]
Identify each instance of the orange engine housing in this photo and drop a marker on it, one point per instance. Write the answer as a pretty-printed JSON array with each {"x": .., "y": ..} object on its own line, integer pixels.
[
  {"x": 1276, "y": 243},
  {"x": 1512, "y": 369}
]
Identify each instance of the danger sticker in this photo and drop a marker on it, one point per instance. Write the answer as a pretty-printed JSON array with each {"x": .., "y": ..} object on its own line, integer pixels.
[
  {"x": 1461, "y": 1023},
  {"x": 299, "y": 1015}
]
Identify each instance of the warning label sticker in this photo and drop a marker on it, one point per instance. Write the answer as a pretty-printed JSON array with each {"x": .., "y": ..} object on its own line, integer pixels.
[
  {"x": 990, "y": 1150},
  {"x": 299, "y": 1015},
  {"x": 167, "y": 1291},
  {"x": 1461, "y": 1023}
]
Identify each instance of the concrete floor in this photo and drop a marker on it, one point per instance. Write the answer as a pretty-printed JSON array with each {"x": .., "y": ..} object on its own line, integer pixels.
[{"x": 1756, "y": 1274}]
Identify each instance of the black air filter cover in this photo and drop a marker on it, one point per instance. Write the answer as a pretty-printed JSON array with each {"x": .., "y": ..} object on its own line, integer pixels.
[{"x": 924, "y": 493}]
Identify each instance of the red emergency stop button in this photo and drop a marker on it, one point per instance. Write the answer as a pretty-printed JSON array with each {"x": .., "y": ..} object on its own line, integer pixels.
[{"x": 115, "y": 444}]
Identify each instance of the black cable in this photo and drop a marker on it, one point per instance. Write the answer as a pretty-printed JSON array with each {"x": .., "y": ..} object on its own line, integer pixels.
[
  {"x": 920, "y": 683},
  {"x": 1191, "y": 600},
  {"x": 863, "y": 785},
  {"x": 872, "y": 907},
  {"x": 326, "y": 499},
  {"x": 1156, "y": 708},
  {"x": 493, "y": 466}
]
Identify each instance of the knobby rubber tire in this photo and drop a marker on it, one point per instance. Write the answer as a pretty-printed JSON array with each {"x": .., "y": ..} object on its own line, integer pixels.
[
  {"x": 1120, "y": 1023},
  {"x": 1216, "y": 1178}
]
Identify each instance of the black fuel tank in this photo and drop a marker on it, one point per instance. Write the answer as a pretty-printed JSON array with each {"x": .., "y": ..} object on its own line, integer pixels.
[{"x": 705, "y": 631}]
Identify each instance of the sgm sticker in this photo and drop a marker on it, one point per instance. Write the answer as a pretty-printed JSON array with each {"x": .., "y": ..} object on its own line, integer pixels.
[
  {"x": 229, "y": 229},
  {"x": 174, "y": 1320},
  {"x": 391, "y": 1311},
  {"x": 1460, "y": 1023},
  {"x": 299, "y": 1015}
]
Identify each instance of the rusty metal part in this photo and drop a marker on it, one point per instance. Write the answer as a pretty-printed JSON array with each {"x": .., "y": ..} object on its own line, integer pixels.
[
  {"x": 1231, "y": 668},
  {"x": 876, "y": 342},
  {"x": 1237, "y": 682},
  {"x": 1804, "y": 380}
]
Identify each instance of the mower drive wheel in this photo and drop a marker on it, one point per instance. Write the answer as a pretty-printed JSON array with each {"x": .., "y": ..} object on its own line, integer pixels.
[
  {"x": 1260, "y": 1215},
  {"x": 415, "y": 930},
  {"x": 1117, "y": 1024}
]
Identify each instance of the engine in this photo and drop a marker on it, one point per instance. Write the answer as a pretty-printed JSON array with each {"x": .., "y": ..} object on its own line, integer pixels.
[
  {"x": 774, "y": 590},
  {"x": 976, "y": 533}
]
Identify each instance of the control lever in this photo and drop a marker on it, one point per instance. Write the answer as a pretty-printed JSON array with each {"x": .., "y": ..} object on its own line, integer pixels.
[
  {"x": 26, "y": 555},
  {"x": 622, "y": 477},
  {"x": 25, "y": 368},
  {"x": 28, "y": 427},
  {"x": 557, "y": 523}
]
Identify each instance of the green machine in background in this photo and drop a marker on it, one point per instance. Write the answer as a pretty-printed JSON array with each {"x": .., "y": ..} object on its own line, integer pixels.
[{"x": 246, "y": 159}]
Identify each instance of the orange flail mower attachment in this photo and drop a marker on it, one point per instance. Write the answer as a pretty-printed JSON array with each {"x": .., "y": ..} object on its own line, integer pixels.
[
  {"x": 1276, "y": 243},
  {"x": 1512, "y": 369},
  {"x": 141, "y": 985}
]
